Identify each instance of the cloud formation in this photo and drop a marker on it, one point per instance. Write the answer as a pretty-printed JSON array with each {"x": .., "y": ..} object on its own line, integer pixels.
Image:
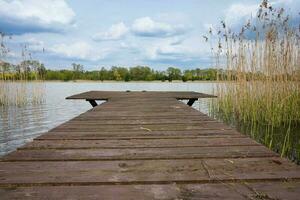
[
  {"x": 30, "y": 16},
  {"x": 238, "y": 14},
  {"x": 115, "y": 32},
  {"x": 146, "y": 27},
  {"x": 35, "y": 45},
  {"x": 176, "y": 51},
  {"x": 147, "y": 36},
  {"x": 78, "y": 51}
]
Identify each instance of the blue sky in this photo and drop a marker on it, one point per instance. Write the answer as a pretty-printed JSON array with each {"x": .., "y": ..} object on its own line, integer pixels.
[{"x": 96, "y": 33}]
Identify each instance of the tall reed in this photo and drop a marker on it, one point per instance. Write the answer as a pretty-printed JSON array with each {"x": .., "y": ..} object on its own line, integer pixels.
[
  {"x": 14, "y": 86},
  {"x": 261, "y": 95}
]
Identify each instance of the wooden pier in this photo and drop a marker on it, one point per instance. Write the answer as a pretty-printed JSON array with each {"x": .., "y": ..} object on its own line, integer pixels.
[{"x": 145, "y": 145}]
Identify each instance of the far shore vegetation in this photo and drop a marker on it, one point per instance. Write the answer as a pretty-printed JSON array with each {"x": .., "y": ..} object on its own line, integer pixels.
[{"x": 34, "y": 70}]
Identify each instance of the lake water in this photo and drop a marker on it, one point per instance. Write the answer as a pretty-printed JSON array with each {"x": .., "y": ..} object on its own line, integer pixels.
[{"x": 20, "y": 124}]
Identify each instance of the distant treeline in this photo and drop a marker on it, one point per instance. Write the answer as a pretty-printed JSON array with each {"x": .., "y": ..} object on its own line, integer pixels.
[
  {"x": 138, "y": 73},
  {"x": 34, "y": 70}
]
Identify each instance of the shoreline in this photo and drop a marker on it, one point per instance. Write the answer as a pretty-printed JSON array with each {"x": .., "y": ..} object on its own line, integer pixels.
[{"x": 107, "y": 81}]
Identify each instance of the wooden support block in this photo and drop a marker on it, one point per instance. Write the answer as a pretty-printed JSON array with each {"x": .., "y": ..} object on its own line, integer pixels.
[
  {"x": 92, "y": 102},
  {"x": 191, "y": 102}
]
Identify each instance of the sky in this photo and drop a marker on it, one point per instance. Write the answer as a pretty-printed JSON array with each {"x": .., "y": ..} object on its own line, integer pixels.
[{"x": 104, "y": 33}]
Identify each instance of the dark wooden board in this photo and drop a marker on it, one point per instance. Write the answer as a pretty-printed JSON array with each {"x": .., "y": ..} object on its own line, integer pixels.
[
  {"x": 139, "y": 153},
  {"x": 139, "y": 143},
  {"x": 146, "y": 171},
  {"x": 217, "y": 191},
  {"x": 105, "y": 95},
  {"x": 137, "y": 127},
  {"x": 142, "y": 134},
  {"x": 86, "y": 121}
]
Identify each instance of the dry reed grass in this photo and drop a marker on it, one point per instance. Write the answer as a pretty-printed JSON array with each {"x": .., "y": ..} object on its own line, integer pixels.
[
  {"x": 262, "y": 64},
  {"x": 14, "y": 88}
]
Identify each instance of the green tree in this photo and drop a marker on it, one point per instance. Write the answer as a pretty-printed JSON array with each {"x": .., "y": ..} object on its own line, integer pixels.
[
  {"x": 77, "y": 69},
  {"x": 173, "y": 73}
]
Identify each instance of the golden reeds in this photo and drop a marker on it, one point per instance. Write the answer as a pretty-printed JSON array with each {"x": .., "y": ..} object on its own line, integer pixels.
[
  {"x": 262, "y": 95},
  {"x": 14, "y": 86}
]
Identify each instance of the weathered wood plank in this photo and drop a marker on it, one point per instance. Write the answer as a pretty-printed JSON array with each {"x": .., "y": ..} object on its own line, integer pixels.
[
  {"x": 105, "y": 95},
  {"x": 83, "y": 117},
  {"x": 88, "y": 121},
  {"x": 142, "y": 134},
  {"x": 137, "y": 127},
  {"x": 139, "y": 153},
  {"x": 218, "y": 191},
  {"x": 146, "y": 171},
  {"x": 139, "y": 143}
]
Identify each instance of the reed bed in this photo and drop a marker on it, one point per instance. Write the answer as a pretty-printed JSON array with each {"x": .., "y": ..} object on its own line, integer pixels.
[
  {"x": 261, "y": 92},
  {"x": 21, "y": 93},
  {"x": 15, "y": 88}
]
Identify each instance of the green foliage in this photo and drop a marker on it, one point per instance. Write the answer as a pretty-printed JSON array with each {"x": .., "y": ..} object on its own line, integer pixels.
[
  {"x": 34, "y": 70},
  {"x": 26, "y": 70},
  {"x": 174, "y": 74},
  {"x": 201, "y": 74}
]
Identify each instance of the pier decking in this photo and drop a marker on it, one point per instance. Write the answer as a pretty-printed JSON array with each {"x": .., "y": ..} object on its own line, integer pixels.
[{"x": 145, "y": 145}]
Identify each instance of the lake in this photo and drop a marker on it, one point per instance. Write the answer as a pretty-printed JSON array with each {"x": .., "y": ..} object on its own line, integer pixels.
[{"x": 20, "y": 124}]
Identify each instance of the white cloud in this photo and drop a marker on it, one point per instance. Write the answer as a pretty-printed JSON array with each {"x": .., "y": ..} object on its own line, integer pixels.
[
  {"x": 144, "y": 26},
  {"x": 22, "y": 16},
  {"x": 79, "y": 50},
  {"x": 35, "y": 45},
  {"x": 149, "y": 28},
  {"x": 238, "y": 12},
  {"x": 185, "y": 51},
  {"x": 115, "y": 32}
]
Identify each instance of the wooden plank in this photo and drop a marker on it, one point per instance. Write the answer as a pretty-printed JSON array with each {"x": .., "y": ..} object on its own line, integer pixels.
[
  {"x": 139, "y": 114},
  {"x": 139, "y": 143},
  {"x": 105, "y": 95},
  {"x": 81, "y": 121},
  {"x": 139, "y": 153},
  {"x": 142, "y": 134},
  {"x": 137, "y": 127},
  {"x": 146, "y": 171},
  {"x": 144, "y": 108},
  {"x": 143, "y": 118},
  {"x": 218, "y": 191}
]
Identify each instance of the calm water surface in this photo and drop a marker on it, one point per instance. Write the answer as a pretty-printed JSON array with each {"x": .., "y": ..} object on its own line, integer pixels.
[{"x": 19, "y": 125}]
